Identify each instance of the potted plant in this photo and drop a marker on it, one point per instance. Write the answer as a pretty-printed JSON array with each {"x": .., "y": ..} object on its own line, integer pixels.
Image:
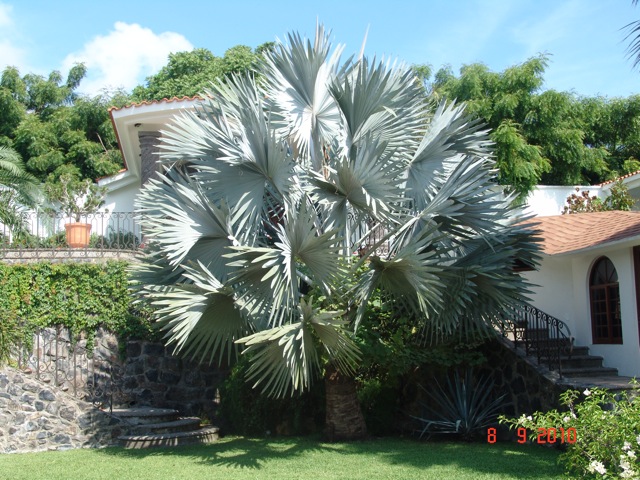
[{"x": 76, "y": 199}]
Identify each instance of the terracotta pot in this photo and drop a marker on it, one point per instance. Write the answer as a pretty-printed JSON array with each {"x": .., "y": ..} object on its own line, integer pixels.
[{"x": 78, "y": 234}]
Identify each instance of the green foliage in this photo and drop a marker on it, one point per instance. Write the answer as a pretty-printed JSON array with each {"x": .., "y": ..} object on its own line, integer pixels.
[
  {"x": 618, "y": 199},
  {"x": 392, "y": 344},
  {"x": 56, "y": 131},
  {"x": 11, "y": 336},
  {"x": 75, "y": 198},
  {"x": 393, "y": 351},
  {"x": 247, "y": 412},
  {"x": 465, "y": 406},
  {"x": 546, "y": 137},
  {"x": 18, "y": 189},
  {"x": 607, "y": 427},
  {"x": 611, "y": 125},
  {"x": 191, "y": 73},
  {"x": 79, "y": 296}
]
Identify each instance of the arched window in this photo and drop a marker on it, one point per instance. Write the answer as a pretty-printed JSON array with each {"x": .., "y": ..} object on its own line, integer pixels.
[{"x": 604, "y": 292}]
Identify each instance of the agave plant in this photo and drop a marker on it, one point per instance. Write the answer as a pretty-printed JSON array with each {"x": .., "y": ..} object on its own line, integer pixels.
[
  {"x": 272, "y": 184},
  {"x": 464, "y": 406}
]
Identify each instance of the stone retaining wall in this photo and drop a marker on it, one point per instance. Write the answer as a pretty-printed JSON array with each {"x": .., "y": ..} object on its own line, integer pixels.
[
  {"x": 35, "y": 416},
  {"x": 528, "y": 387},
  {"x": 154, "y": 377},
  {"x": 40, "y": 408}
]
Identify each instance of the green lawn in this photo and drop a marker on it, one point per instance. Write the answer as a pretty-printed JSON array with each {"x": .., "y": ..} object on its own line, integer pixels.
[{"x": 305, "y": 458}]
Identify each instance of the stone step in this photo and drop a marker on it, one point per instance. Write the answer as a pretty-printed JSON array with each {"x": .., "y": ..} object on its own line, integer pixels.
[
  {"x": 612, "y": 383},
  {"x": 183, "y": 424},
  {"x": 582, "y": 361},
  {"x": 590, "y": 372},
  {"x": 146, "y": 415},
  {"x": 578, "y": 361},
  {"x": 579, "y": 350},
  {"x": 203, "y": 436}
]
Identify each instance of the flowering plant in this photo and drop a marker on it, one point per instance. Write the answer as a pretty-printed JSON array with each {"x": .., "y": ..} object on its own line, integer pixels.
[{"x": 607, "y": 426}]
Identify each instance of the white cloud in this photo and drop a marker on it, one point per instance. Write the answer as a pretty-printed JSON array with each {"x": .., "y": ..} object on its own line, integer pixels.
[
  {"x": 5, "y": 15},
  {"x": 124, "y": 57},
  {"x": 559, "y": 26},
  {"x": 10, "y": 53}
]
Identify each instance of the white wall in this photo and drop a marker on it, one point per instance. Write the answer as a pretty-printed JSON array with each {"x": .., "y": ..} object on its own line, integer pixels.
[
  {"x": 547, "y": 200},
  {"x": 122, "y": 199},
  {"x": 553, "y": 291},
  {"x": 564, "y": 293}
]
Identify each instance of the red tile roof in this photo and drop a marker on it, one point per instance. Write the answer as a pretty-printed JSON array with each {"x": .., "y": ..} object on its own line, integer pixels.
[
  {"x": 570, "y": 233},
  {"x": 620, "y": 178},
  {"x": 154, "y": 102}
]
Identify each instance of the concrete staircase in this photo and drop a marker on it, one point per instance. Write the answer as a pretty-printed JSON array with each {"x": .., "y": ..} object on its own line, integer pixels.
[
  {"x": 579, "y": 368},
  {"x": 162, "y": 427}
]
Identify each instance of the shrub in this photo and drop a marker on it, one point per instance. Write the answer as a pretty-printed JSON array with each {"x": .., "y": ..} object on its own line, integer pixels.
[
  {"x": 465, "y": 406},
  {"x": 248, "y": 412},
  {"x": 606, "y": 443}
]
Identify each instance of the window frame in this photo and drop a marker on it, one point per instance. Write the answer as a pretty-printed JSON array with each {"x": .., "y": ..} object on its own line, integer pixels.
[{"x": 604, "y": 301}]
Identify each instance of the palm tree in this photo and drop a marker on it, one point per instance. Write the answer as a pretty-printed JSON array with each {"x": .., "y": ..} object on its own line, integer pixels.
[
  {"x": 633, "y": 50},
  {"x": 18, "y": 190},
  {"x": 272, "y": 184}
]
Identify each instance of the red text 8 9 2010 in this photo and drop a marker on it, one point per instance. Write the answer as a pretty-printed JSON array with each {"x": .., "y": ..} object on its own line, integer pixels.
[{"x": 549, "y": 435}]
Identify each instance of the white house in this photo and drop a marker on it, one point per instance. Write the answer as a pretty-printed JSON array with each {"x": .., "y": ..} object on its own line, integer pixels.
[
  {"x": 590, "y": 279},
  {"x": 137, "y": 128}
]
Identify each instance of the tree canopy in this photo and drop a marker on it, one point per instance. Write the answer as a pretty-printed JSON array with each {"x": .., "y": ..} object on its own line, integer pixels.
[
  {"x": 545, "y": 136},
  {"x": 56, "y": 131},
  {"x": 541, "y": 136},
  {"x": 190, "y": 73}
]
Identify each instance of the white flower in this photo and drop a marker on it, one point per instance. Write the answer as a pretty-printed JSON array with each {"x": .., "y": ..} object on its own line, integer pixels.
[
  {"x": 627, "y": 471},
  {"x": 638, "y": 439},
  {"x": 595, "y": 466},
  {"x": 631, "y": 454},
  {"x": 586, "y": 393},
  {"x": 529, "y": 417},
  {"x": 628, "y": 474},
  {"x": 566, "y": 419},
  {"x": 626, "y": 446}
]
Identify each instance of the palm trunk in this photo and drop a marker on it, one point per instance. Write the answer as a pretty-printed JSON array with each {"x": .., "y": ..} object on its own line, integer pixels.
[{"x": 344, "y": 419}]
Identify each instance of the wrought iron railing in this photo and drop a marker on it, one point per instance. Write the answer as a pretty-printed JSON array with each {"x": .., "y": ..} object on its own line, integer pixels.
[
  {"x": 43, "y": 234},
  {"x": 366, "y": 235},
  {"x": 53, "y": 358},
  {"x": 540, "y": 335}
]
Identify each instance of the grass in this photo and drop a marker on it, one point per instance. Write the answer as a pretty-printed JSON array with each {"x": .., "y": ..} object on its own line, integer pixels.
[{"x": 289, "y": 458}]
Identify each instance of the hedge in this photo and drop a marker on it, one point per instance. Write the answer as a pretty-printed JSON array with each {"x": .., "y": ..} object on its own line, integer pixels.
[{"x": 80, "y": 296}]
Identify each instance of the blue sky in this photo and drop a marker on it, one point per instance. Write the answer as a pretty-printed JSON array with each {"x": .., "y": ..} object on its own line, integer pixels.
[{"x": 122, "y": 42}]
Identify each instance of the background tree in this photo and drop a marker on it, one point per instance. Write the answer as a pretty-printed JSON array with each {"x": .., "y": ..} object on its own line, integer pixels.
[
  {"x": 613, "y": 125},
  {"x": 270, "y": 187},
  {"x": 540, "y": 136},
  {"x": 190, "y": 73},
  {"x": 56, "y": 131}
]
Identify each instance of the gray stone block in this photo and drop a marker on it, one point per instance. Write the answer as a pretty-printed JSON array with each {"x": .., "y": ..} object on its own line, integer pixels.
[{"x": 47, "y": 395}]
